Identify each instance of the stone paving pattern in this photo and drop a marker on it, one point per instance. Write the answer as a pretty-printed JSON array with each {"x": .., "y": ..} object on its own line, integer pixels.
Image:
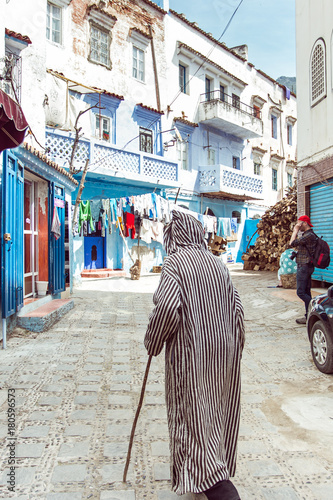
[{"x": 78, "y": 384}]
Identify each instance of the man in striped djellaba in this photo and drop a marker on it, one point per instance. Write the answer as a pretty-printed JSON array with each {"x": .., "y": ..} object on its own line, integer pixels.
[{"x": 199, "y": 316}]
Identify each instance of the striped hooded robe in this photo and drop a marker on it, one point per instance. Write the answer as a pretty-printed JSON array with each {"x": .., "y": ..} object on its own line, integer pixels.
[{"x": 199, "y": 315}]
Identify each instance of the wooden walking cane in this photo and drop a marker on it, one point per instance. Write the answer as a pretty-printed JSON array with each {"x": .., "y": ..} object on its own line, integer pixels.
[{"x": 136, "y": 418}]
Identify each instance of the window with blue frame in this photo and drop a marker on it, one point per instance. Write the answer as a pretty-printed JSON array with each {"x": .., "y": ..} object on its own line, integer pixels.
[
  {"x": 103, "y": 127},
  {"x": 236, "y": 162},
  {"x": 274, "y": 179},
  {"x": 290, "y": 179},
  {"x": 182, "y": 150},
  {"x": 274, "y": 126},
  {"x": 146, "y": 140}
]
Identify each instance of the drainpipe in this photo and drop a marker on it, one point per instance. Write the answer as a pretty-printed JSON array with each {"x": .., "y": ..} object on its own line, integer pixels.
[{"x": 158, "y": 101}]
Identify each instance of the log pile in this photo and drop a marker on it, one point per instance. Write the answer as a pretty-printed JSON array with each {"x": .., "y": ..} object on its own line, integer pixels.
[{"x": 274, "y": 232}]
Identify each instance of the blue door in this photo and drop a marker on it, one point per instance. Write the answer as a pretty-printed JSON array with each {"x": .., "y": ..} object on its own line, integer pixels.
[
  {"x": 12, "y": 238},
  {"x": 93, "y": 252},
  {"x": 57, "y": 241},
  {"x": 321, "y": 215}
]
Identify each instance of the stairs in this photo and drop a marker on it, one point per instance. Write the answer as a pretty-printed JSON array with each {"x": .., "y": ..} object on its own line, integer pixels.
[{"x": 42, "y": 318}]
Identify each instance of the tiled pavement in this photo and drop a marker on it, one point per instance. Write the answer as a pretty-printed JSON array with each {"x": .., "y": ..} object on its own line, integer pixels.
[{"x": 77, "y": 388}]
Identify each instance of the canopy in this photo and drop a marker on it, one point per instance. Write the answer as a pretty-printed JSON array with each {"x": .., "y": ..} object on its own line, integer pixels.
[{"x": 12, "y": 123}]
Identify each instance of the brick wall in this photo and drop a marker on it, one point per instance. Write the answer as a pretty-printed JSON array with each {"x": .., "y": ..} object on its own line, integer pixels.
[{"x": 309, "y": 175}]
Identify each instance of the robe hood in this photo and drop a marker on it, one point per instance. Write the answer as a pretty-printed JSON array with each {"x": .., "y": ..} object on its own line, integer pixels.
[{"x": 183, "y": 231}]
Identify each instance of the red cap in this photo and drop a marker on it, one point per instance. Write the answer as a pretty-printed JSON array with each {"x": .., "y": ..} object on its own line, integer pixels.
[{"x": 305, "y": 218}]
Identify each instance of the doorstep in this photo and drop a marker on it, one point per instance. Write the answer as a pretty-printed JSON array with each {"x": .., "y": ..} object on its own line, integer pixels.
[
  {"x": 102, "y": 273},
  {"x": 42, "y": 318}
]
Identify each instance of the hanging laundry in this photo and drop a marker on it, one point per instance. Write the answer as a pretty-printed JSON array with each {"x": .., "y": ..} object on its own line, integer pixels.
[
  {"x": 95, "y": 207},
  {"x": 129, "y": 224},
  {"x": 55, "y": 228},
  {"x": 223, "y": 226},
  {"x": 234, "y": 226},
  {"x": 137, "y": 224},
  {"x": 146, "y": 232},
  {"x": 113, "y": 210},
  {"x": 85, "y": 215},
  {"x": 157, "y": 231}
]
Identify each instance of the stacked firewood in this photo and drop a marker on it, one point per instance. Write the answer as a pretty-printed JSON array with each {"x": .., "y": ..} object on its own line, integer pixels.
[{"x": 274, "y": 232}]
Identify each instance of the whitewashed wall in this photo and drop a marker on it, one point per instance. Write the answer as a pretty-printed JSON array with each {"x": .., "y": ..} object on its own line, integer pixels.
[
  {"x": 257, "y": 84},
  {"x": 315, "y": 123}
]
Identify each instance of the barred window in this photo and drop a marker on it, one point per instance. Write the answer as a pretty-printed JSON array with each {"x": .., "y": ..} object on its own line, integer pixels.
[{"x": 318, "y": 72}]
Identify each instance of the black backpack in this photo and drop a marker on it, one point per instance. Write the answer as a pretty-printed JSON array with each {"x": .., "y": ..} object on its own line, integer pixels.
[{"x": 321, "y": 256}]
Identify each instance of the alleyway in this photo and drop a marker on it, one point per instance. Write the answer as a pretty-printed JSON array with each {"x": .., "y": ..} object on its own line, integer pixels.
[{"x": 77, "y": 388}]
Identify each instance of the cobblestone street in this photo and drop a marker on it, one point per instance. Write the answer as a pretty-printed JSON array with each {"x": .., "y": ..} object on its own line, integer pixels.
[{"x": 77, "y": 388}]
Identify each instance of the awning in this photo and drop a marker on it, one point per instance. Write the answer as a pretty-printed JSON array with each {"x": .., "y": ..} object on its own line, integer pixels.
[{"x": 12, "y": 123}]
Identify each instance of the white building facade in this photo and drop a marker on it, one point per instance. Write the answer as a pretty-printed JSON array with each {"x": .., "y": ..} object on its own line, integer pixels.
[
  {"x": 315, "y": 122},
  {"x": 160, "y": 112}
]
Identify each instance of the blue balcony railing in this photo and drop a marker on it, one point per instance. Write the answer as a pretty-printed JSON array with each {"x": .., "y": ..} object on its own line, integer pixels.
[{"x": 111, "y": 158}]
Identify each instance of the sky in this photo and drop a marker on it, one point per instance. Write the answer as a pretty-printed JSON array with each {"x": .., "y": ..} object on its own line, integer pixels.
[{"x": 267, "y": 27}]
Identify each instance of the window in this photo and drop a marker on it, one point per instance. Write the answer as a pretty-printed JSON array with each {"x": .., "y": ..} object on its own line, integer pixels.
[
  {"x": 290, "y": 179},
  {"x": 289, "y": 134},
  {"x": 236, "y": 101},
  {"x": 182, "y": 149},
  {"x": 146, "y": 140},
  {"x": 257, "y": 168},
  {"x": 318, "y": 72},
  {"x": 274, "y": 179},
  {"x": 138, "y": 71},
  {"x": 236, "y": 162},
  {"x": 222, "y": 93},
  {"x": 99, "y": 46},
  {"x": 236, "y": 215},
  {"x": 274, "y": 126},
  {"x": 208, "y": 89},
  {"x": 102, "y": 129},
  {"x": 211, "y": 156},
  {"x": 256, "y": 111},
  {"x": 183, "y": 78},
  {"x": 53, "y": 23}
]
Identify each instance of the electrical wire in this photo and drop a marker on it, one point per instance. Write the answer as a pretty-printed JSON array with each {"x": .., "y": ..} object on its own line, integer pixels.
[{"x": 178, "y": 93}]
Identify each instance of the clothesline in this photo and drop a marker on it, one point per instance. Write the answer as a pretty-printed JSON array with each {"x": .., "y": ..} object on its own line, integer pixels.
[{"x": 145, "y": 213}]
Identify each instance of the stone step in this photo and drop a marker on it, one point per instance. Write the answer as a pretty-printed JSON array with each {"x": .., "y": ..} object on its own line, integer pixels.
[
  {"x": 102, "y": 273},
  {"x": 42, "y": 318}
]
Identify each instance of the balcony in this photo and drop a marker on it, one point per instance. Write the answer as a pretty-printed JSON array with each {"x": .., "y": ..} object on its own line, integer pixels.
[
  {"x": 219, "y": 181},
  {"x": 228, "y": 114},
  {"x": 122, "y": 166}
]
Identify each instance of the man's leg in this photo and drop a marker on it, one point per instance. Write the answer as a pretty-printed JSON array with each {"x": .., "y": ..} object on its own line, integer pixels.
[
  {"x": 223, "y": 490},
  {"x": 304, "y": 284}
]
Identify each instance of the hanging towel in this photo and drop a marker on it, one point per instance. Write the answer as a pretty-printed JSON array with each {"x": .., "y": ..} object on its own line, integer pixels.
[
  {"x": 157, "y": 231},
  {"x": 146, "y": 232},
  {"x": 55, "y": 228},
  {"x": 287, "y": 92}
]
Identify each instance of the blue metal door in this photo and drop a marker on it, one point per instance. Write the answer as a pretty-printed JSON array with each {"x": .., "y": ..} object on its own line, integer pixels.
[
  {"x": 321, "y": 215},
  {"x": 93, "y": 252},
  {"x": 57, "y": 244},
  {"x": 12, "y": 239}
]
